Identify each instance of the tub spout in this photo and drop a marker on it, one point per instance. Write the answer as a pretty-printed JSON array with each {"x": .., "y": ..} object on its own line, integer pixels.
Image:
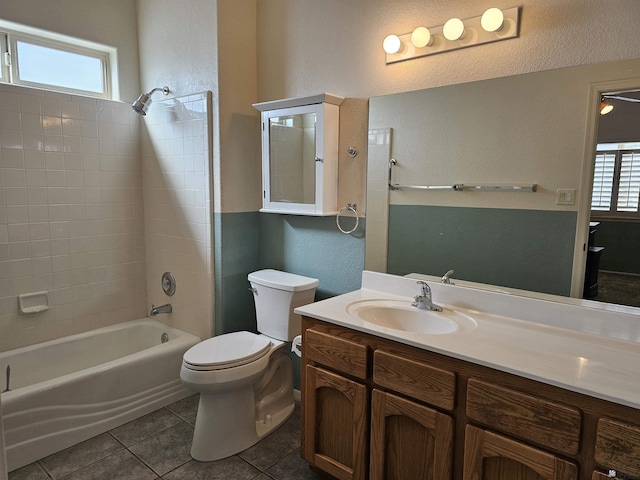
[{"x": 166, "y": 308}]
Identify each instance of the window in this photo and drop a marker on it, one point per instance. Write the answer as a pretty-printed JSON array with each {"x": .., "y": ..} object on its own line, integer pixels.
[
  {"x": 616, "y": 181},
  {"x": 4, "y": 69},
  {"x": 61, "y": 64}
]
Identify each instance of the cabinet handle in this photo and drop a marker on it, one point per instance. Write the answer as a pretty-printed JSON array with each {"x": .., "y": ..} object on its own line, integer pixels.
[{"x": 318, "y": 159}]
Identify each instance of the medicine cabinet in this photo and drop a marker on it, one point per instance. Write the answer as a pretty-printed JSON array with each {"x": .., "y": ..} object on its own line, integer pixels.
[{"x": 300, "y": 155}]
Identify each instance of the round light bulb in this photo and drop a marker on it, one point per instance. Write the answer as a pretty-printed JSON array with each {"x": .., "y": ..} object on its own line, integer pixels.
[
  {"x": 453, "y": 29},
  {"x": 605, "y": 107},
  {"x": 492, "y": 20},
  {"x": 421, "y": 37},
  {"x": 392, "y": 44}
]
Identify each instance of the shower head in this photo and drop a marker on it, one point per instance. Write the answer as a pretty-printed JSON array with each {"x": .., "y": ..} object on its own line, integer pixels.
[{"x": 142, "y": 104}]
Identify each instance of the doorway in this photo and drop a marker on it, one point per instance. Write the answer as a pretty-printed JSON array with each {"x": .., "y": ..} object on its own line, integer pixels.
[{"x": 612, "y": 271}]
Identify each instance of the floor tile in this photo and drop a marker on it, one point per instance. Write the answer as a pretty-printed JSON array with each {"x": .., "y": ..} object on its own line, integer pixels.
[
  {"x": 186, "y": 408},
  {"x": 166, "y": 450},
  {"x": 231, "y": 468},
  {"x": 292, "y": 467},
  {"x": 144, "y": 427},
  {"x": 80, "y": 455},
  {"x": 294, "y": 422},
  {"x": 32, "y": 471},
  {"x": 271, "y": 448},
  {"x": 119, "y": 466}
]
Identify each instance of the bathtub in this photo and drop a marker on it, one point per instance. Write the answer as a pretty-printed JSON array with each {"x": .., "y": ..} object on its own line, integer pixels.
[{"x": 67, "y": 390}]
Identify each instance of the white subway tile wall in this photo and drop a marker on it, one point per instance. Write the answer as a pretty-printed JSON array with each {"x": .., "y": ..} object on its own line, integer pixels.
[
  {"x": 176, "y": 165},
  {"x": 71, "y": 214}
]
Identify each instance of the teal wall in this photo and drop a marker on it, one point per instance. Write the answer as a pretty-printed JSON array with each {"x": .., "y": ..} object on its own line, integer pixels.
[
  {"x": 314, "y": 247},
  {"x": 310, "y": 246},
  {"x": 621, "y": 242},
  {"x": 525, "y": 249},
  {"x": 236, "y": 237}
]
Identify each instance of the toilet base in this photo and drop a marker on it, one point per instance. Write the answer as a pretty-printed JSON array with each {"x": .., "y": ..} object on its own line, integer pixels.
[{"x": 229, "y": 423}]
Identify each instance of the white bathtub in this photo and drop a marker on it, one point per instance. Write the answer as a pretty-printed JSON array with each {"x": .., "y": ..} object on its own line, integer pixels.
[{"x": 68, "y": 390}]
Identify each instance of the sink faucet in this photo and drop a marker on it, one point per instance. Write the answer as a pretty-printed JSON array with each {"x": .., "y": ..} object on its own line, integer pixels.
[
  {"x": 423, "y": 301},
  {"x": 166, "y": 308},
  {"x": 445, "y": 278}
]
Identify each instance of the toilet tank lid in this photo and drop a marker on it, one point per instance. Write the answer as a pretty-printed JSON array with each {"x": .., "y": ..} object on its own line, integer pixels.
[{"x": 283, "y": 280}]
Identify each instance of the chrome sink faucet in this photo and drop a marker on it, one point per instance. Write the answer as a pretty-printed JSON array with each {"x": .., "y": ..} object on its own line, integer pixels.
[
  {"x": 423, "y": 301},
  {"x": 166, "y": 308},
  {"x": 446, "y": 278}
]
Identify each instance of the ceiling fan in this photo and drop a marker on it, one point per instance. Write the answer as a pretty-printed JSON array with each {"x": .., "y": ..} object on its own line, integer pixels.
[{"x": 606, "y": 107}]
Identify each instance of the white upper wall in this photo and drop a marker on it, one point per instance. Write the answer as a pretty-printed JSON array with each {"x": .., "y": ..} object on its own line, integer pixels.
[
  {"x": 109, "y": 22},
  {"x": 179, "y": 47},
  {"x": 307, "y": 46}
]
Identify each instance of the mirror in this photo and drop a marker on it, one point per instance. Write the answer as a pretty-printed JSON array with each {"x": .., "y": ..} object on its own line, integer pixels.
[
  {"x": 292, "y": 151},
  {"x": 537, "y": 128}
]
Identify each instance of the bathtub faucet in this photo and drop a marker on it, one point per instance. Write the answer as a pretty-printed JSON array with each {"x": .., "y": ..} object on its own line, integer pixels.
[{"x": 166, "y": 308}]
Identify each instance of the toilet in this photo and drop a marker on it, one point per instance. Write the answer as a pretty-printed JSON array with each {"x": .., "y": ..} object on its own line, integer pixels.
[{"x": 245, "y": 380}]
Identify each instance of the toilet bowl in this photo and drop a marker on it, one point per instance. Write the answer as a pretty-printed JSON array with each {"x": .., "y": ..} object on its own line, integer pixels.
[{"x": 245, "y": 380}]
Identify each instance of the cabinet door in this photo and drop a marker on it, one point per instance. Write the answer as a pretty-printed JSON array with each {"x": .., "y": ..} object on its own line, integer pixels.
[
  {"x": 336, "y": 413},
  {"x": 489, "y": 456},
  {"x": 618, "y": 446},
  {"x": 409, "y": 440}
]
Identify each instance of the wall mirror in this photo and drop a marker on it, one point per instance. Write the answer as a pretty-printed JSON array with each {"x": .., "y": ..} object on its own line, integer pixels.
[
  {"x": 537, "y": 128},
  {"x": 292, "y": 149}
]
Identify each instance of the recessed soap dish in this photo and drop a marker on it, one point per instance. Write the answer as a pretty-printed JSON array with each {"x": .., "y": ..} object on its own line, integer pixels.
[{"x": 35, "y": 302}]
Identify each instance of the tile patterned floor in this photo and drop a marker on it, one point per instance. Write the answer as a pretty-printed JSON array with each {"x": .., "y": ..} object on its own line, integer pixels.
[{"x": 157, "y": 446}]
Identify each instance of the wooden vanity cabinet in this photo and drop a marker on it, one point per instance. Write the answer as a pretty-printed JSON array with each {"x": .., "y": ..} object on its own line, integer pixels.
[
  {"x": 618, "y": 446},
  {"x": 378, "y": 409},
  {"x": 335, "y": 407},
  {"x": 409, "y": 440},
  {"x": 335, "y": 423},
  {"x": 489, "y": 456}
]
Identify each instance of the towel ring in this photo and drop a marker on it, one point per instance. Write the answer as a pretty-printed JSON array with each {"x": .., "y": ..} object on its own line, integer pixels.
[{"x": 351, "y": 207}]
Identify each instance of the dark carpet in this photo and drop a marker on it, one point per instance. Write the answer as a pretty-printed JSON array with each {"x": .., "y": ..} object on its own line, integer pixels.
[{"x": 618, "y": 288}]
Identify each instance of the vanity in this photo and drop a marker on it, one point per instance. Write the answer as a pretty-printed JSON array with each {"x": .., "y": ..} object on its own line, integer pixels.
[{"x": 496, "y": 386}]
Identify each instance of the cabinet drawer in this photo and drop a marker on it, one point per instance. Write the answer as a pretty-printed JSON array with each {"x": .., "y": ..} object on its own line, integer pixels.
[
  {"x": 541, "y": 421},
  {"x": 337, "y": 353},
  {"x": 415, "y": 379},
  {"x": 618, "y": 446}
]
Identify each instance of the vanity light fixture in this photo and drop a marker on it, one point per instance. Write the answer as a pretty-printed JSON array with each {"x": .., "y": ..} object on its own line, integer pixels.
[
  {"x": 453, "y": 29},
  {"x": 392, "y": 44},
  {"x": 492, "y": 26},
  {"x": 492, "y": 20},
  {"x": 421, "y": 37}
]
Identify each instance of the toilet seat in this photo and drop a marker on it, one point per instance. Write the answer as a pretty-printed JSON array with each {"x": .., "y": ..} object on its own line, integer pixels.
[{"x": 226, "y": 351}]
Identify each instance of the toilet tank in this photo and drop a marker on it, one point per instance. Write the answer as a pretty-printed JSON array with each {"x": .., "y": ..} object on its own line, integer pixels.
[{"x": 276, "y": 295}]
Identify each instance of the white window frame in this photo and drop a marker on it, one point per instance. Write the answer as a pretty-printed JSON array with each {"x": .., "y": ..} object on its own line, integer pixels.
[
  {"x": 613, "y": 213},
  {"x": 10, "y": 33},
  {"x": 4, "y": 56}
]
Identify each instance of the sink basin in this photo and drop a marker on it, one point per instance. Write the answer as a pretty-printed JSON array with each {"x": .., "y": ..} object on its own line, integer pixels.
[{"x": 401, "y": 316}]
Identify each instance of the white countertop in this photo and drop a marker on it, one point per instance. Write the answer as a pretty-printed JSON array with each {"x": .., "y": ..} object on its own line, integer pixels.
[{"x": 590, "y": 350}]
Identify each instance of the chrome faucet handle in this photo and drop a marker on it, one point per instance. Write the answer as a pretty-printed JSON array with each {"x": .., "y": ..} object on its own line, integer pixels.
[{"x": 445, "y": 278}]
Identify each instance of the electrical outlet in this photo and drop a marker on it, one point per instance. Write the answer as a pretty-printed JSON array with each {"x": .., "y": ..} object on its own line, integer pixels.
[{"x": 566, "y": 196}]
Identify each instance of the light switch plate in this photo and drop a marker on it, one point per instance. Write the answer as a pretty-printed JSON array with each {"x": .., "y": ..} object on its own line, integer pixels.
[{"x": 566, "y": 196}]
